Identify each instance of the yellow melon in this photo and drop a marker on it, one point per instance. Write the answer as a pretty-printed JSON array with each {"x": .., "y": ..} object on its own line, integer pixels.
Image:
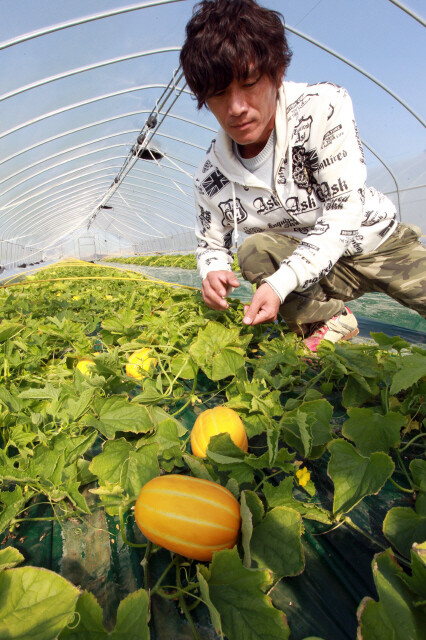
[
  {"x": 189, "y": 516},
  {"x": 211, "y": 423},
  {"x": 139, "y": 363}
]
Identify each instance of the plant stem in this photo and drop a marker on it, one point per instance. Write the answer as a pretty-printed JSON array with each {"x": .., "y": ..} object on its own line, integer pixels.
[
  {"x": 352, "y": 524},
  {"x": 402, "y": 465},
  {"x": 183, "y": 605},
  {"x": 161, "y": 578},
  {"x": 419, "y": 435},
  {"x": 145, "y": 566},
  {"x": 194, "y": 386},
  {"x": 398, "y": 486},
  {"x": 123, "y": 533}
]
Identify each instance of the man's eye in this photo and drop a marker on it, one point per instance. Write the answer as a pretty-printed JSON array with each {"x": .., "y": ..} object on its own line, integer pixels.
[{"x": 251, "y": 83}]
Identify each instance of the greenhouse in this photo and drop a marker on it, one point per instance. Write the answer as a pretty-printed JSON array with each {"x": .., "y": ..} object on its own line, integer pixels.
[{"x": 168, "y": 472}]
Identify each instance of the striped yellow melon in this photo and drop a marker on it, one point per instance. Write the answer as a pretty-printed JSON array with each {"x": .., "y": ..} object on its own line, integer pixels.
[
  {"x": 187, "y": 515},
  {"x": 211, "y": 423}
]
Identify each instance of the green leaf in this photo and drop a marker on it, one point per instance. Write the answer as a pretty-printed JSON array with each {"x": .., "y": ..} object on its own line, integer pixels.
[
  {"x": 89, "y": 625},
  {"x": 120, "y": 463},
  {"x": 167, "y": 438},
  {"x": 394, "y": 615},
  {"x": 35, "y": 604},
  {"x": 226, "y": 456},
  {"x": 254, "y": 503},
  {"x": 197, "y": 467},
  {"x": 118, "y": 414},
  {"x": 276, "y": 542},
  {"x": 413, "y": 368},
  {"x": 132, "y": 618},
  {"x": 246, "y": 529},
  {"x": 214, "y": 613},
  {"x": 357, "y": 390},
  {"x": 282, "y": 496},
  {"x": 9, "y": 329},
  {"x": 308, "y": 426},
  {"x": 10, "y": 557},
  {"x": 76, "y": 408},
  {"x": 219, "y": 351},
  {"x": 403, "y": 527},
  {"x": 12, "y": 502},
  {"x": 238, "y": 595},
  {"x": 417, "y": 581},
  {"x": 355, "y": 476},
  {"x": 357, "y": 360},
  {"x": 183, "y": 366},
  {"x": 386, "y": 342},
  {"x": 372, "y": 431},
  {"x": 418, "y": 471}
]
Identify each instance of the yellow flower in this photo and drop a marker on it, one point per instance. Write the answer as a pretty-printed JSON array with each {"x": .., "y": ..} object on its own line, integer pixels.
[{"x": 303, "y": 476}]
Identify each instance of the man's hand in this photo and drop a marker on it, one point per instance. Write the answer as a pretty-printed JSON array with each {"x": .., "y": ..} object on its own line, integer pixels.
[
  {"x": 264, "y": 306},
  {"x": 216, "y": 286}
]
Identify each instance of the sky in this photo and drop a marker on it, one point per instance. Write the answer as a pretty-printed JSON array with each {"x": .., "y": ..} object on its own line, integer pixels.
[{"x": 48, "y": 191}]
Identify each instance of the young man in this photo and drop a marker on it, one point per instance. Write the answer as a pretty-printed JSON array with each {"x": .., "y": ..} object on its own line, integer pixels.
[{"x": 287, "y": 168}]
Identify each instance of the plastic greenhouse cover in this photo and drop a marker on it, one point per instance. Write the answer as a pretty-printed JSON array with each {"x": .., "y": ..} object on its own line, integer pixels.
[{"x": 79, "y": 81}]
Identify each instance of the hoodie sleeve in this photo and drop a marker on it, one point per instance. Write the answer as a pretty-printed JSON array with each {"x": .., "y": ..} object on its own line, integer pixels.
[
  {"x": 330, "y": 166},
  {"x": 213, "y": 251}
]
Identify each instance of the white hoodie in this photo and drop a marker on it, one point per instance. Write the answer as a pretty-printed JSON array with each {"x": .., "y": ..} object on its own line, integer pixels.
[{"x": 320, "y": 196}]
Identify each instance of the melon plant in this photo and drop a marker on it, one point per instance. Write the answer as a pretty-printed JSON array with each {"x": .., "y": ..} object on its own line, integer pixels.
[
  {"x": 214, "y": 421},
  {"x": 190, "y": 516}
]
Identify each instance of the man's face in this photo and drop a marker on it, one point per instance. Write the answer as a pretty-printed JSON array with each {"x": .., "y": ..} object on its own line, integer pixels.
[{"x": 246, "y": 111}]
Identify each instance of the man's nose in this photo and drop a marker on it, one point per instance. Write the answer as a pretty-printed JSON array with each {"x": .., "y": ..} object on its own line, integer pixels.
[{"x": 237, "y": 103}]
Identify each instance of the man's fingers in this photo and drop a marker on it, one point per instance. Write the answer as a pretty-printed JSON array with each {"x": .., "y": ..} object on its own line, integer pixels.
[{"x": 251, "y": 313}]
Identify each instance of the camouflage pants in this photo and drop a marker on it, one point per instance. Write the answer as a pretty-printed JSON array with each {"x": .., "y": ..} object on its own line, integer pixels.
[{"x": 397, "y": 268}]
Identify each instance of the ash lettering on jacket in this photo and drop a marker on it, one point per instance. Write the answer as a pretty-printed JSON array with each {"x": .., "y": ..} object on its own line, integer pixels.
[
  {"x": 295, "y": 206},
  {"x": 202, "y": 244},
  {"x": 327, "y": 162},
  {"x": 348, "y": 232},
  {"x": 305, "y": 162},
  {"x": 331, "y": 135},
  {"x": 320, "y": 276},
  {"x": 358, "y": 140},
  {"x": 252, "y": 230},
  {"x": 302, "y": 131},
  {"x": 214, "y": 182},
  {"x": 295, "y": 106},
  {"x": 326, "y": 191},
  {"x": 206, "y": 166},
  {"x": 266, "y": 205},
  {"x": 227, "y": 209},
  {"x": 281, "y": 179},
  {"x": 361, "y": 193},
  {"x": 330, "y": 111},
  {"x": 205, "y": 219}
]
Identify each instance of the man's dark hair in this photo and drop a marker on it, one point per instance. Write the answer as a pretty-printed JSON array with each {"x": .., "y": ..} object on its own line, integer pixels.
[{"x": 224, "y": 38}]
